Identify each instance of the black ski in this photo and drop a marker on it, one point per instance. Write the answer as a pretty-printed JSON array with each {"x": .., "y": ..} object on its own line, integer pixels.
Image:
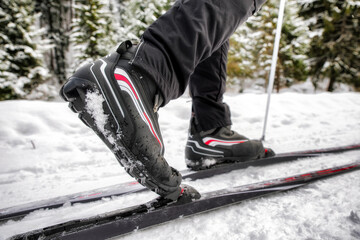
[
  {"x": 142, "y": 216},
  {"x": 20, "y": 211}
]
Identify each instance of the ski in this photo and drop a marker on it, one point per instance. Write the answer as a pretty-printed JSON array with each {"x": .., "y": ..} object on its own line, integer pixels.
[
  {"x": 123, "y": 221},
  {"x": 20, "y": 211}
]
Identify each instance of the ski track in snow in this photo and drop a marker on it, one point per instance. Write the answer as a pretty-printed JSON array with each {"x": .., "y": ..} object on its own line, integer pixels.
[{"x": 46, "y": 151}]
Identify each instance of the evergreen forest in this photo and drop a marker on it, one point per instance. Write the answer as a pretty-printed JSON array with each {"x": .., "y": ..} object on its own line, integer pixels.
[{"x": 42, "y": 42}]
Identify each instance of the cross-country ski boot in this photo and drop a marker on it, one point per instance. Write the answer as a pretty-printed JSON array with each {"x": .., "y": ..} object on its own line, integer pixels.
[
  {"x": 207, "y": 148},
  {"x": 119, "y": 102}
]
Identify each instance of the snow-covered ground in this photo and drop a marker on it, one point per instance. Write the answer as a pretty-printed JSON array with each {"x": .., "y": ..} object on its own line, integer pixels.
[{"x": 45, "y": 151}]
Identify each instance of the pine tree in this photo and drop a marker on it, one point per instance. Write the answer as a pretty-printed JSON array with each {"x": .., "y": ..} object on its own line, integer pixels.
[
  {"x": 335, "y": 46},
  {"x": 93, "y": 32},
  {"x": 140, "y": 14},
  {"x": 293, "y": 48},
  {"x": 20, "y": 61},
  {"x": 252, "y": 46},
  {"x": 55, "y": 19}
]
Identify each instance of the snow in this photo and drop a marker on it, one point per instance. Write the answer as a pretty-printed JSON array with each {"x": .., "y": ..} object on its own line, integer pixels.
[
  {"x": 46, "y": 151},
  {"x": 94, "y": 102}
]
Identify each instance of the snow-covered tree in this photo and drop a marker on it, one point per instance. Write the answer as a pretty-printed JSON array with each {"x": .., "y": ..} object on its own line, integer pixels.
[
  {"x": 252, "y": 46},
  {"x": 335, "y": 45},
  {"x": 93, "y": 31},
  {"x": 293, "y": 48},
  {"x": 139, "y": 14},
  {"x": 21, "y": 68},
  {"x": 55, "y": 18}
]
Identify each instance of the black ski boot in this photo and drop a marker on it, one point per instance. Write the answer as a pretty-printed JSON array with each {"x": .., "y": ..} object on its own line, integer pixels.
[
  {"x": 120, "y": 102},
  {"x": 205, "y": 149}
]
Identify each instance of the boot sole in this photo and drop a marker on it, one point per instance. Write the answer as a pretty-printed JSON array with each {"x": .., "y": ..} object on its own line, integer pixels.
[{"x": 76, "y": 90}]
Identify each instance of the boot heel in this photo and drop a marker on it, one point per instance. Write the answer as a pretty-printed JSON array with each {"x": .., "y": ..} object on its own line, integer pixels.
[{"x": 74, "y": 91}]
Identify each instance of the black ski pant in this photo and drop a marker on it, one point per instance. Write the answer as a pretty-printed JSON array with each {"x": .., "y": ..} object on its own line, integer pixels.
[
  {"x": 189, "y": 43},
  {"x": 207, "y": 86}
]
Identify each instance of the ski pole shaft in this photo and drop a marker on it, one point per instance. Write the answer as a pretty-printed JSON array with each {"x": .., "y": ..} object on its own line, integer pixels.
[{"x": 273, "y": 62}]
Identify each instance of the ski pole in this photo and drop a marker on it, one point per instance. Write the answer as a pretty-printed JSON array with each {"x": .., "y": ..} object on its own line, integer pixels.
[{"x": 274, "y": 62}]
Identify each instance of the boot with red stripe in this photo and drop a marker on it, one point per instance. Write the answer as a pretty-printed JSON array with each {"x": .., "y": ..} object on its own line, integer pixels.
[
  {"x": 205, "y": 149},
  {"x": 120, "y": 102}
]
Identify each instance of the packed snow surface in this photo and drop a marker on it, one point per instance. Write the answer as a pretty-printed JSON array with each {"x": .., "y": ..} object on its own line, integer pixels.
[{"x": 46, "y": 151}]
